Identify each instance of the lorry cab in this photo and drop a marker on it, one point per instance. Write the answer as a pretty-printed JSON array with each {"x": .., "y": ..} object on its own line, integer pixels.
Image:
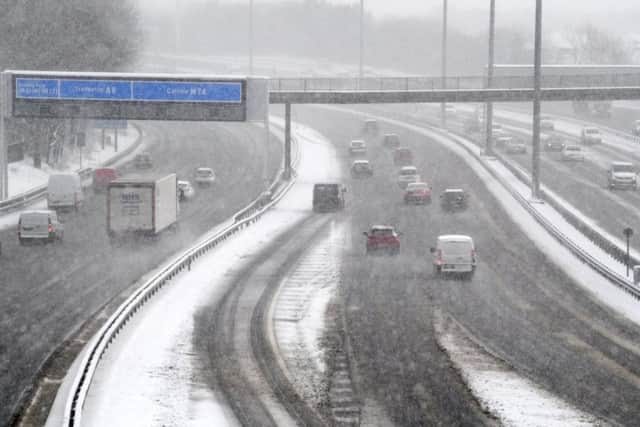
[
  {"x": 102, "y": 177},
  {"x": 64, "y": 191}
]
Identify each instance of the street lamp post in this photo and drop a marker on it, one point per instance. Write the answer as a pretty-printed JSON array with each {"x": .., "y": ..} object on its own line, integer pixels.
[
  {"x": 488, "y": 120},
  {"x": 537, "y": 63},
  {"x": 250, "y": 37},
  {"x": 361, "y": 61},
  {"x": 628, "y": 232},
  {"x": 444, "y": 60}
]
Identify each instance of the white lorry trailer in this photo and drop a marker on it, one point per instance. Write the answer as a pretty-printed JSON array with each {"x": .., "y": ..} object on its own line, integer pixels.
[{"x": 141, "y": 206}]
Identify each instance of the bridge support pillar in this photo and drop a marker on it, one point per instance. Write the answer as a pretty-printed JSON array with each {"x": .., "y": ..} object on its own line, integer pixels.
[{"x": 287, "y": 140}]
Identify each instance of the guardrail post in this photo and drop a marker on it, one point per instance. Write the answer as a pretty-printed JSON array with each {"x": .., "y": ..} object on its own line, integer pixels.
[{"x": 287, "y": 140}]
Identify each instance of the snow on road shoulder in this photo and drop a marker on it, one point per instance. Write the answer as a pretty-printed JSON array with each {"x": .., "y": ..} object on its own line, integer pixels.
[
  {"x": 151, "y": 374},
  {"x": 501, "y": 391}
]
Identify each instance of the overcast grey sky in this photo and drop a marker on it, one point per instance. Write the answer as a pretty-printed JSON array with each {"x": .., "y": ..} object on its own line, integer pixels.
[{"x": 620, "y": 14}]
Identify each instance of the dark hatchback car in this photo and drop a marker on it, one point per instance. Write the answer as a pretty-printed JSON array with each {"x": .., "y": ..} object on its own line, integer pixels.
[
  {"x": 361, "y": 169},
  {"x": 453, "y": 199},
  {"x": 328, "y": 197},
  {"x": 552, "y": 142},
  {"x": 402, "y": 156}
]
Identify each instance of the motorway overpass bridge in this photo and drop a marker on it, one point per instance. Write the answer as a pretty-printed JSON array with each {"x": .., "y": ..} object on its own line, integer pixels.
[{"x": 210, "y": 98}]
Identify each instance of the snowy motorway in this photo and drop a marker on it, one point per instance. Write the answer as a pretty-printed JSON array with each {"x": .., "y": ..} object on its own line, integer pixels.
[
  {"x": 550, "y": 330},
  {"x": 519, "y": 304},
  {"x": 211, "y": 346},
  {"x": 51, "y": 291}
]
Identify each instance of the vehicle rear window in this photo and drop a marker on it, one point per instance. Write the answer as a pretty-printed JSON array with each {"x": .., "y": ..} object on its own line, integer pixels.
[
  {"x": 326, "y": 189},
  {"x": 418, "y": 187},
  {"x": 594, "y": 131},
  {"x": 382, "y": 232},
  {"x": 33, "y": 219},
  {"x": 204, "y": 173},
  {"x": 572, "y": 148},
  {"x": 453, "y": 195},
  {"x": 408, "y": 172},
  {"x": 456, "y": 248},
  {"x": 623, "y": 168}
]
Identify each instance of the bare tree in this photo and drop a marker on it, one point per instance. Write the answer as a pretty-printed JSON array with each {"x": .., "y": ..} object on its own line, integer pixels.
[
  {"x": 592, "y": 45},
  {"x": 68, "y": 34}
]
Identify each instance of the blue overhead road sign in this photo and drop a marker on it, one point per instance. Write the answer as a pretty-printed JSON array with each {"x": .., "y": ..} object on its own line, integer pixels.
[
  {"x": 111, "y": 90},
  {"x": 37, "y": 88},
  {"x": 187, "y": 91},
  {"x": 135, "y": 96},
  {"x": 128, "y": 90}
]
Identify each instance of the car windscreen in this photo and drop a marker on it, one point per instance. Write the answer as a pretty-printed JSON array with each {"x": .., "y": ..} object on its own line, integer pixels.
[
  {"x": 204, "y": 173},
  {"x": 592, "y": 131}
]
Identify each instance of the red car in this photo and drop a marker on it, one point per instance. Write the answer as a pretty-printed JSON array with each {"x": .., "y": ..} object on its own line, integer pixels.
[
  {"x": 417, "y": 193},
  {"x": 383, "y": 238},
  {"x": 102, "y": 177}
]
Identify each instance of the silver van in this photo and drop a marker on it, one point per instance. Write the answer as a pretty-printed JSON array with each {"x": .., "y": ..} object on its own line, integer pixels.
[
  {"x": 64, "y": 191},
  {"x": 42, "y": 225},
  {"x": 454, "y": 253}
]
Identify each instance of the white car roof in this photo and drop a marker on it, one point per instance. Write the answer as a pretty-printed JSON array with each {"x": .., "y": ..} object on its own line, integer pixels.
[
  {"x": 408, "y": 168},
  {"x": 204, "y": 170},
  {"x": 454, "y": 238},
  {"x": 36, "y": 211},
  {"x": 621, "y": 164},
  {"x": 381, "y": 227},
  {"x": 453, "y": 190},
  {"x": 361, "y": 162},
  {"x": 182, "y": 182},
  {"x": 417, "y": 184},
  {"x": 591, "y": 128}
]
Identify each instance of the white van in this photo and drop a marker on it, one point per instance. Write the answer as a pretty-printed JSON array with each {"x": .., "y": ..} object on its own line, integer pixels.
[
  {"x": 454, "y": 253},
  {"x": 39, "y": 225},
  {"x": 64, "y": 191}
]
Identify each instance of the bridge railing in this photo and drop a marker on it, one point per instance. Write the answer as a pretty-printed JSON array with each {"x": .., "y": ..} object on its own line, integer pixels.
[{"x": 308, "y": 84}]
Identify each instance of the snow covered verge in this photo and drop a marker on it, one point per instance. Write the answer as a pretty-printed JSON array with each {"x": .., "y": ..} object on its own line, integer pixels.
[
  {"x": 151, "y": 373},
  {"x": 501, "y": 391}
]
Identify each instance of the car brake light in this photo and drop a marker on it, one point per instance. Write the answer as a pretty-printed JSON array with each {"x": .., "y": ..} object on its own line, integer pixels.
[
  {"x": 473, "y": 255},
  {"x": 439, "y": 257},
  {"x": 50, "y": 228}
]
